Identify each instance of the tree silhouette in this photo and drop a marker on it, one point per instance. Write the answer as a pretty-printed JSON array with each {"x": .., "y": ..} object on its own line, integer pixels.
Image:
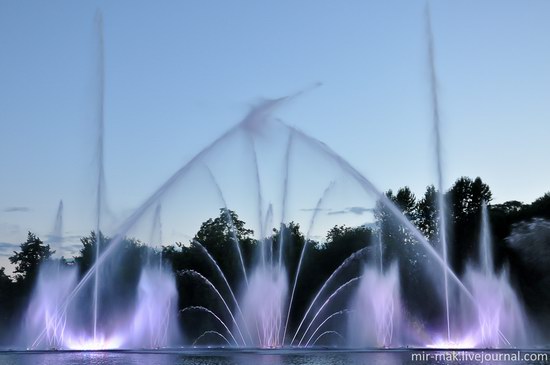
[
  {"x": 517, "y": 246},
  {"x": 427, "y": 217},
  {"x": 8, "y": 294},
  {"x": 88, "y": 251},
  {"x": 27, "y": 260},
  {"x": 465, "y": 199},
  {"x": 222, "y": 236}
]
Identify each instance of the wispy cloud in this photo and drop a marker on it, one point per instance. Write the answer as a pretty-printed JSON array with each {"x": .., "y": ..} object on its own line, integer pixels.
[
  {"x": 6, "y": 248},
  {"x": 64, "y": 238},
  {"x": 313, "y": 209},
  {"x": 351, "y": 210},
  {"x": 359, "y": 210},
  {"x": 16, "y": 209},
  {"x": 335, "y": 212}
]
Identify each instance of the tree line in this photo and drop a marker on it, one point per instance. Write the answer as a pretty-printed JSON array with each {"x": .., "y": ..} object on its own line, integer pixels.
[{"x": 385, "y": 242}]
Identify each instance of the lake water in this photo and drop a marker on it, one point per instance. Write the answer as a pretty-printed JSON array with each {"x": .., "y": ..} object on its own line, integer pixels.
[{"x": 271, "y": 357}]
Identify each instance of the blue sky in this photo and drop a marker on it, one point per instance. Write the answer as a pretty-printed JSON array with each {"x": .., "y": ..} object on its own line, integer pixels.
[{"x": 180, "y": 73}]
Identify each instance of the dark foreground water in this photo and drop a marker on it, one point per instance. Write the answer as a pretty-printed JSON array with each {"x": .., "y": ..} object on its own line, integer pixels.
[{"x": 273, "y": 357}]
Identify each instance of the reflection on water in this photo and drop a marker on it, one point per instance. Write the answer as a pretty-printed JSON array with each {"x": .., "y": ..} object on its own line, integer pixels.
[{"x": 227, "y": 357}]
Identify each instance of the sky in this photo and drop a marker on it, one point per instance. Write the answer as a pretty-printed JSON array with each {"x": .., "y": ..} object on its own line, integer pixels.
[{"x": 178, "y": 74}]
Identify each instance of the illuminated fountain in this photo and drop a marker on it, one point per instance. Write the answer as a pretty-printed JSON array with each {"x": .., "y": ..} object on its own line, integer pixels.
[
  {"x": 53, "y": 285},
  {"x": 263, "y": 304},
  {"x": 376, "y": 319},
  {"x": 496, "y": 318},
  {"x": 363, "y": 308},
  {"x": 260, "y": 307}
]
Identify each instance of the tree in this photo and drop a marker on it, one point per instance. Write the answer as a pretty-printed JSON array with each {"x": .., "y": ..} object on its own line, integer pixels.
[
  {"x": 395, "y": 236},
  {"x": 88, "y": 251},
  {"x": 222, "y": 236},
  {"x": 385, "y": 220},
  {"x": 406, "y": 201},
  {"x": 27, "y": 261},
  {"x": 509, "y": 207},
  {"x": 4, "y": 279},
  {"x": 466, "y": 198},
  {"x": 400, "y": 244},
  {"x": 7, "y": 299},
  {"x": 293, "y": 242},
  {"x": 216, "y": 232},
  {"x": 342, "y": 241},
  {"x": 540, "y": 208},
  {"x": 427, "y": 217}
]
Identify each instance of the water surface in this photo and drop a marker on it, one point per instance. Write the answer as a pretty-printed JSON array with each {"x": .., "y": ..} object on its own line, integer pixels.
[{"x": 259, "y": 357}]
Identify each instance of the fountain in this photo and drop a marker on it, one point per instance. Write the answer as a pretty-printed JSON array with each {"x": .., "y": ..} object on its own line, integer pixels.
[
  {"x": 152, "y": 322},
  {"x": 53, "y": 285},
  {"x": 263, "y": 305},
  {"x": 376, "y": 319},
  {"x": 360, "y": 304},
  {"x": 501, "y": 320}
]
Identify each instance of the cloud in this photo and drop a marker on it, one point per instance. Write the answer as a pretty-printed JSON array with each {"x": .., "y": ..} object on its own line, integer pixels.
[
  {"x": 334, "y": 212},
  {"x": 16, "y": 209},
  {"x": 313, "y": 209},
  {"x": 6, "y": 248},
  {"x": 352, "y": 210},
  {"x": 51, "y": 238},
  {"x": 359, "y": 210},
  {"x": 349, "y": 210}
]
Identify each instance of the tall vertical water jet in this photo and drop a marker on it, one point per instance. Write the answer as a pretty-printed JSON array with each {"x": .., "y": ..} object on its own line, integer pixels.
[
  {"x": 156, "y": 232},
  {"x": 259, "y": 196},
  {"x": 496, "y": 319},
  {"x": 57, "y": 233},
  {"x": 100, "y": 160},
  {"x": 285, "y": 194},
  {"x": 486, "y": 243},
  {"x": 265, "y": 226},
  {"x": 380, "y": 251},
  {"x": 439, "y": 160}
]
